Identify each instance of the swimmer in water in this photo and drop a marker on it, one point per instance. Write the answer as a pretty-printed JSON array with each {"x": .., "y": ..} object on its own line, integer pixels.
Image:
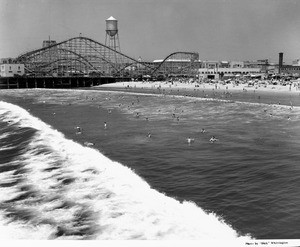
[
  {"x": 213, "y": 139},
  {"x": 149, "y": 135},
  {"x": 89, "y": 144},
  {"x": 79, "y": 130},
  {"x": 203, "y": 130},
  {"x": 190, "y": 140}
]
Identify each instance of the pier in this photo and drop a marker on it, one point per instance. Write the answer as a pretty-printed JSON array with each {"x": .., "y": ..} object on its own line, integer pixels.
[{"x": 55, "y": 82}]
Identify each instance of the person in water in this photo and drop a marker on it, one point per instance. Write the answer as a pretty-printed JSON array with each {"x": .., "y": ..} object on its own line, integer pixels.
[
  {"x": 105, "y": 125},
  {"x": 78, "y": 130},
  {"x": 190, "y": 140},
  {"x": 88, "y": 144},
  {"x": 213, "y": 139}
]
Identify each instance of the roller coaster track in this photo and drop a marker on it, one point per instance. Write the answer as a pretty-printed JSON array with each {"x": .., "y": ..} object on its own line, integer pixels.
[
  {"x": 84, "y": 55},
  {"x": 176, "y": 59}
]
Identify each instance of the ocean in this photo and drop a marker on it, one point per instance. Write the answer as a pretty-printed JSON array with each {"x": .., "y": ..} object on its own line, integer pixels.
[{"x": 117, "y": 164}]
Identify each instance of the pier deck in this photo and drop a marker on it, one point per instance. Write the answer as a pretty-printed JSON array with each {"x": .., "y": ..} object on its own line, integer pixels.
[{"x": 55, "y": 82}]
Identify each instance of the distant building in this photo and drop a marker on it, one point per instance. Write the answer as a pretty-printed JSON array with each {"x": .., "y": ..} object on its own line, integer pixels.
[
  {"x": 218, "y": 73},
  {"x": 296, "y": 62},
  {"x": 236, "y": 64},
  {"x": 219, "y": 69},
  {"x": 263, "y": 64},
  {"x": 224, "y": 64},
  {"x": 290, "y": 69},
  {"x": 7, "y": 60},
  {"x": 10, "y": 70},
  {"x": 210, "y": 64},
  {"x": 47, "y": 43}
]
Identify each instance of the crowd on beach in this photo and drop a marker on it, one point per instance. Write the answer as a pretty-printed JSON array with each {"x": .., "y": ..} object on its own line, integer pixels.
[{"x": 243, "y": 83}]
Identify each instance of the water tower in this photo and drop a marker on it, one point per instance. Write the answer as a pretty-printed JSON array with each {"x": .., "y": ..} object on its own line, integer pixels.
[{"x": 112, "y": 37}]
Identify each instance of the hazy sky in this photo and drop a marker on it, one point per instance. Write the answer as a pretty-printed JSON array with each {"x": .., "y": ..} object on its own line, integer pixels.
[{"x": 152, "y": 29}]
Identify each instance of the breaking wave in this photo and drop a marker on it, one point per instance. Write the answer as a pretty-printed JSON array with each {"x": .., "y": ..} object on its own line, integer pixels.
[{"x": 55, "y": 188}]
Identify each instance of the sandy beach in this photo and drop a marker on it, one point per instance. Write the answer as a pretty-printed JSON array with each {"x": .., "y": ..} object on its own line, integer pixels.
[
  {"x": 195, "y": 85},
  {"x": 288, "y": 95}
]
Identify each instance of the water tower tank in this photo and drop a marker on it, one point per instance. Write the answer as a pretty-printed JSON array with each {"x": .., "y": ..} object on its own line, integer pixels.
[{"x": 111, "y": 26}]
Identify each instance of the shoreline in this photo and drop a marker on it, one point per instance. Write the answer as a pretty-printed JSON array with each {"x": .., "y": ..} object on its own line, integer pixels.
[
  {"x": 271, "y": 94},
  {"x": 187, "y": 85}
]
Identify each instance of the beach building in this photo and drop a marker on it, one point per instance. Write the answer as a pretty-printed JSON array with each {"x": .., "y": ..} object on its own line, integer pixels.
[
  {"x": 210, "y": 64},
  {"x": 7, "y": 60},
  {"x": 290, "y": 70},
  {"x": 224, "y": 64},
  {"x": 219, "y": 73},
  {"x": 236, "y": 64},
  {"x": 8, "y": 68},
  {"x": 220, "y": 69},
  {"x": 296, "y": 62}
]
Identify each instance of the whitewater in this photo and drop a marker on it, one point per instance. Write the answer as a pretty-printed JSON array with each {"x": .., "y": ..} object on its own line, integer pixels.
[{"x": 54, "y": 188}]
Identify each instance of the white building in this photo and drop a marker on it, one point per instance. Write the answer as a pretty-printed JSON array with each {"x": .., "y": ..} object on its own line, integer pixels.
[
  {"x": 9, "y": 70},
  {"x": 236, "y": 64},
  {"x": 217, "y": 72},
  {"x": 296, "y": 62}
]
